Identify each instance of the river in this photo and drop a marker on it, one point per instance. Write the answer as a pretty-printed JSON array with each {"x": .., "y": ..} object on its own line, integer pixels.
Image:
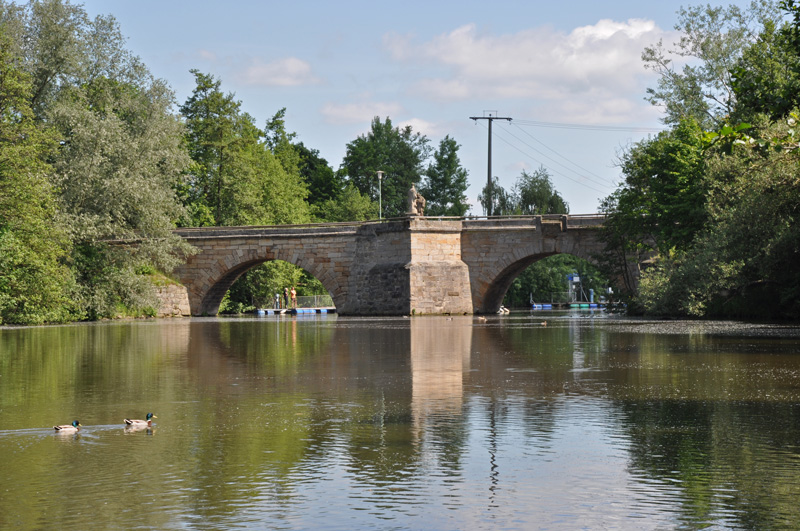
[{"x": 526, "y": 421}]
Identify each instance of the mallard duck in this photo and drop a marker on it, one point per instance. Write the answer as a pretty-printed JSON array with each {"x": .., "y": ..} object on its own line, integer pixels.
[
  {"x": 68, "y": 428},
  {"x": 141, "y": 423}
]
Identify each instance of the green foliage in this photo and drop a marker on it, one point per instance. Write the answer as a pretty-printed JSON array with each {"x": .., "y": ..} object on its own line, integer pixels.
[
  {"x": 235, "y": 178},
  {"x": 243, "y": 176},
  {"x": 120, "y": 153},
  {"x": 494, "y": 198},
  {"x": 532, "y": 194},
  {"x": 399, "y": 153},
  {"x": 750, "y": 251},
  {"x": 662, "y": 199},
  {"x": 446, "y": 183},
  {"x": 767, "y": 77},
  {"x": 257, "y": 287},
  {"x": 322, "y": 182},
  {"x": 712, "y": 40},
  {"x": 349, "y": 205},
  {"x": 535, "y": 195},
  {"x": 33, "y": 281}
]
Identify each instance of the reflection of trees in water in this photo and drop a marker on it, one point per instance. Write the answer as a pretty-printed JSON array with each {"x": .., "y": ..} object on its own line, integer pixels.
[{"x": 730, "y": 461}]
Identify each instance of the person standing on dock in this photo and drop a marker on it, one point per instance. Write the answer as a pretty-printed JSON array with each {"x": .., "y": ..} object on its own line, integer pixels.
[
  {"x": 294, "y": 298},
  {"x": 286, "y": 298}
]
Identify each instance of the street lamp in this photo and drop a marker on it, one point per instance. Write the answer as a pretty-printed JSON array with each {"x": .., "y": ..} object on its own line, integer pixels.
[{"x": 380, "y": 205}]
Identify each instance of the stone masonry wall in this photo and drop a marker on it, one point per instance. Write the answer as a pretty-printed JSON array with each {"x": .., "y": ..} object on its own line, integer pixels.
[
  {"x": 438, "y": 278},
  {"x": 174, "y": 301}
]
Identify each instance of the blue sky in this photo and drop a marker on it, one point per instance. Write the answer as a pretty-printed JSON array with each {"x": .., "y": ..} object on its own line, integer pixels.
[{"x": 433, "y": 64}]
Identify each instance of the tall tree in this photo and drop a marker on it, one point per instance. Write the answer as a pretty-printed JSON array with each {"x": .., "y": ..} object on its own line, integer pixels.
[
  {"x": 502, "y": 202},
  {"x": 116, "y": 172},
  {"x": 766, "y": 79},
  {"x": 746, "y": 263},
  {"x": 446, "y": 184},
  {"x": 120, "y": 153},
  {"x": 236, "y": 179},
  {"x": 712, "y": 41},
  {"x": 399, "y": 153},
  {"x": 662, "y": 198},
  {"x": 323, "y": 183},
  {"x": 33, "y": 281},
  {"x": 532, "y": 194},
  {"x": 62, "y": 47}
]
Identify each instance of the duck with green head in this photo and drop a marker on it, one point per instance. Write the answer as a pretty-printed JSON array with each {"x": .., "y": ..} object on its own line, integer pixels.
[
  {"x": 68, "y": 428},
  {"x": 138, "y": 423}
]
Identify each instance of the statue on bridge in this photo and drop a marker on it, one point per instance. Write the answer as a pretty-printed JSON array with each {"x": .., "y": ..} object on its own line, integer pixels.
[{"x": 416, "y": 203}]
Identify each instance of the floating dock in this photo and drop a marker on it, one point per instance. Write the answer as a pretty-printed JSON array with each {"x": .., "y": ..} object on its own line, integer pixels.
[
  {"x": 567, "y": 305},
  {"x": 261, "y": 312}
]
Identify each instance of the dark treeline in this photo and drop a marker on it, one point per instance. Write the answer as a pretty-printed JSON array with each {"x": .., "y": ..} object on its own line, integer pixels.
[{"x": 93, "y": 148}]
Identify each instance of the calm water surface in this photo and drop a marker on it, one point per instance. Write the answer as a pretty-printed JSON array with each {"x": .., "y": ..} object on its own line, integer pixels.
[{"x": 426, "y": 423}]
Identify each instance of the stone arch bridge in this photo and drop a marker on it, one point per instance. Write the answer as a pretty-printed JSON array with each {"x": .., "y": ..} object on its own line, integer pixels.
[{"x": 391, "y": 267}]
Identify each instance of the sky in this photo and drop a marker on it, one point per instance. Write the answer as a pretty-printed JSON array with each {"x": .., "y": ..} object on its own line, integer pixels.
[{"x": 569, "y": 74}]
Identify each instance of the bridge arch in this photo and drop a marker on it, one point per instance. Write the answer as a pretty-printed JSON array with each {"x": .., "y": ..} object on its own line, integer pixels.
[
  {"x": 222, "y": 259},
  {"x": 496, "y": 288},
  {"x": 495, "y": 259},
  {"x": 224, "y": 278}
]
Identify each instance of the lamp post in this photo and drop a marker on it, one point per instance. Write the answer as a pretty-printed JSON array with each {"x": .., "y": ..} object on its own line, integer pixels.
[{"x": 380, "y": 202}]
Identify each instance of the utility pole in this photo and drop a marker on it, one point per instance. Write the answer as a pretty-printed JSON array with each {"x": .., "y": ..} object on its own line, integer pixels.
[{"x": 490, "y": 116}]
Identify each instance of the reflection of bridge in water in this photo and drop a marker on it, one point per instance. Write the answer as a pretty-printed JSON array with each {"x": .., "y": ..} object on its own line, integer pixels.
[{"x": 395, "y": 267}]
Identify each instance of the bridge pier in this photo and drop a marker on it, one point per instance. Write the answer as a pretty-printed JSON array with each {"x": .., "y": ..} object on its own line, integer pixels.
[{"x": 408, "y": 267}]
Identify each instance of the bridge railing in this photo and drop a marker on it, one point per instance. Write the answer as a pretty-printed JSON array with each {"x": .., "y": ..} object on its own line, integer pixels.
[{"x": 573, "y": 220}]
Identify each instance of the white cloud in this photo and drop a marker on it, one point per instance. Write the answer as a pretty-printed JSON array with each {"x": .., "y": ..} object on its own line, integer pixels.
[
  {"x": 419, "y": 125},
  {"x": 599, "y": 65},
  {"x": 288, "y": 72},
  {"x": 359, "y": 112}
]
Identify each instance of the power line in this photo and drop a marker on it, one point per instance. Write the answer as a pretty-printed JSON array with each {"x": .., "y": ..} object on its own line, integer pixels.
[
  {"x": 557, "y": 173},
  {"x": 528, "y": 155},
  {"x": 600, "y": 180},
  {"x": 588, "y": 127}
]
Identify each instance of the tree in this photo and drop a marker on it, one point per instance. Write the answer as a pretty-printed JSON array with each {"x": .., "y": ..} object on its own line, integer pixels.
[
  {"x": 546, "y": 280},
  {"x": 534, "y": 194},
  {"x": 33, "y": 281},
  {"x": 502, "y": 203},
  {"x": 766, "y": 79},
  {"x": 446, "y": 183},
  {"x": 662, "y": 198},
  {"x": 61, "y": 47},
  {"x": 116, "y": 173},
  {"x": 745, "y": 262},
  {"x": 120, "y": 152},
  {"x": 323, "y": 183},
  {"x": 349, "y": 205},
  {"x": 242, "y": 176},
  {"x": 236, "y": 179},
  {"x": 712, "y": 41},
  {"x": 399, "y": 153}
]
